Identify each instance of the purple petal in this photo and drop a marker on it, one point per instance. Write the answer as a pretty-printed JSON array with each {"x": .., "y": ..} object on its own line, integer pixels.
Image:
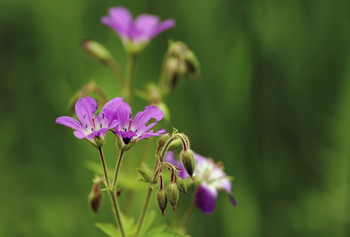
[
  {"x": 144, "y": 27},
  {"x": 169, "y": 157},
  {"x": 142, "y": 118},
  {"x": 226, "y": 185},
  {"x": 123, "y": 115},
  {"x": 162, "y": 27},
  {"x": 85, "y": 109},
  {"x": 152, "y": 134},
  {"x": 199, "y": 158},
  {"x": 206, "y": 198},
  {"x": 120, "y": 20},
  {"x": 79, "y": 134},
  {"x": 110, "y": 107},
  {"x": 69, "y": 122},
  {"x": 99, "y": 133}
]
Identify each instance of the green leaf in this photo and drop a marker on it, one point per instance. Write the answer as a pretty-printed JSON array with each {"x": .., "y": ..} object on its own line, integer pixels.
[
  {"x": 112, "y": 231},
  {"x": 127, "y": 181},
  {"x": 163, "y": 231},
  {"x": 109, "y": 229},
  {"x": 149, "y": 218}
]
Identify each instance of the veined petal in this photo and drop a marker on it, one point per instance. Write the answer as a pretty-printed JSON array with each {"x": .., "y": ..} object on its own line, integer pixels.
[
  {"x": 79, "y": 134},
  {"x": 85, "y": 109},
  {"x": 144, "y": 27},
  {"x": 206, "y": 198},
  {"x": 162, "y": 27},
  {"x": 142, "y": 118},
  {"x": 110, "y": 107},
  {"x": 99, "y": 133},
  {"x": 152, "y": 134},
  {"x": 120, "y": 20},
  {"x": 123, "y": 115},
  {"x": 69, "y": 122}
]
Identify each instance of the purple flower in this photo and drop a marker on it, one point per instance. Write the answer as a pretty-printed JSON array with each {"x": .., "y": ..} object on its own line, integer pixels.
[
  {"x": 91, "y": 126},
  {"x": 138, "y": 128},
  {"x": 212, "y": 178},
  {"x": 135, "y": 34}
]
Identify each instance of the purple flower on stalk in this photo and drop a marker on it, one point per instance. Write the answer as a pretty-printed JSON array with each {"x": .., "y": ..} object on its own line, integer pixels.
[
  {"x": 212, "y": 178},
  {"x": 135, "y": 34},
  {"x": 133, "y": 130},
  {"x": 91, "y": 125}
]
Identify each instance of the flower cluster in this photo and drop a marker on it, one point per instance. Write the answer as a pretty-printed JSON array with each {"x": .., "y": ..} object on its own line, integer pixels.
[
  {"x": 116, "y": 116},
  {"x": 212, "y": 178}
]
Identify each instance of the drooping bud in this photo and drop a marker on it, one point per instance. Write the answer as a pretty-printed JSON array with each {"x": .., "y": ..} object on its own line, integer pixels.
[
  {"x": 173, "y": 194},
  {"x": 192, "y": 65},
  {"x": 162, "y": 200},
  {"x": 188, "y": 161},
  {"x": 96, "y": 51},
  {"x": 181, "y": 184},
  {"x": 176, "y": 146},
  {"x": 95, "y": 197}
]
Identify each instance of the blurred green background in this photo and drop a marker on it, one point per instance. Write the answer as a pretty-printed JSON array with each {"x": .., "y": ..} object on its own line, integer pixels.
[{"x": 272, "y": 103}]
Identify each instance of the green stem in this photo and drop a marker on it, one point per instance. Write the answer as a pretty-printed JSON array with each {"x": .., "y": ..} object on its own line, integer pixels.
[
  {"x": 116, "y": 71},
  {"x": 189, "y": 211},
  {"x": 130, "y": 67},
  {"x": 111, "y": 194},
  {"x": 145, "y": 205},
  {"x": 117, "y": 167}
]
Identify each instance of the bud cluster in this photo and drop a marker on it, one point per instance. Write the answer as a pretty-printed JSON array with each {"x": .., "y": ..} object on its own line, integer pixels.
[
  {"x": 179, "y": 144},
  {"x": 180, "y": 61}
]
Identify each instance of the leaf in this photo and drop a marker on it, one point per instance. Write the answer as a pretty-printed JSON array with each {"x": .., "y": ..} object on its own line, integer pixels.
[
  {"x": 112, "y": 231},
  {"x": 149, "y": 218},
  {"x": 124, "y": 180},
  {"x": 109, "y": 229},
  {"x": 163, "y": 231}
]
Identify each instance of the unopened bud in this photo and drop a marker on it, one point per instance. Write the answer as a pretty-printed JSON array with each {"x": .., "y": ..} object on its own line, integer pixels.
[
  {"x": 98, "y": 141},
  {"x": 188, "y": 162},
  {"x": 176, "y": 146},
  {"x": 95, "y": 197},
  {"x": 192, "y": 64},
  {"x": 173, "y": 194},
  {"x": 162, "y": 200},
  {"x": 162, "y": 140},
  {"x": 181, "y": 184},
  {"x": 96, "y": 51}
]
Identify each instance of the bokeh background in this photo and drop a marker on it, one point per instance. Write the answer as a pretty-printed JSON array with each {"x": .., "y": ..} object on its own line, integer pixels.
[{"x": 272, "y": 103}]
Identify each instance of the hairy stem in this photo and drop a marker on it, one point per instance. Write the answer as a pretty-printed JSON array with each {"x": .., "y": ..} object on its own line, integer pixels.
[
  {"x": 148, "y": 196},
  {"x": 130, "y": 67},
  {"x": 111, "y": 194}
]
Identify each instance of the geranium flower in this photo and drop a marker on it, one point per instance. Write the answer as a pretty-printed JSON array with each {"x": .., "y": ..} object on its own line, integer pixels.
[
  {"x": 133, "y": 130},
  {"x": 212, "y": 179},
  {"x": 91, "y": 125},
  {"x": 135, "y": 34}
]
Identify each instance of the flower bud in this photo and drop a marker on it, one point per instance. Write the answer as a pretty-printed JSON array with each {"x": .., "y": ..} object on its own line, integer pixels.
[
  {"x": 181, "y": 184},
  {"x": 188, "y": 162},
  {"x": 162, "y": 140},
  {"x": 98, "y": 141},
  {"x": 162, "y": 200},
  {"x": 95, "y": 197},
  {"x": 96, "y": 51},
  {"x": 173, "y": 194},
  {"x": 192, "y": 65},
  {"x": 176, "y": 146}
]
